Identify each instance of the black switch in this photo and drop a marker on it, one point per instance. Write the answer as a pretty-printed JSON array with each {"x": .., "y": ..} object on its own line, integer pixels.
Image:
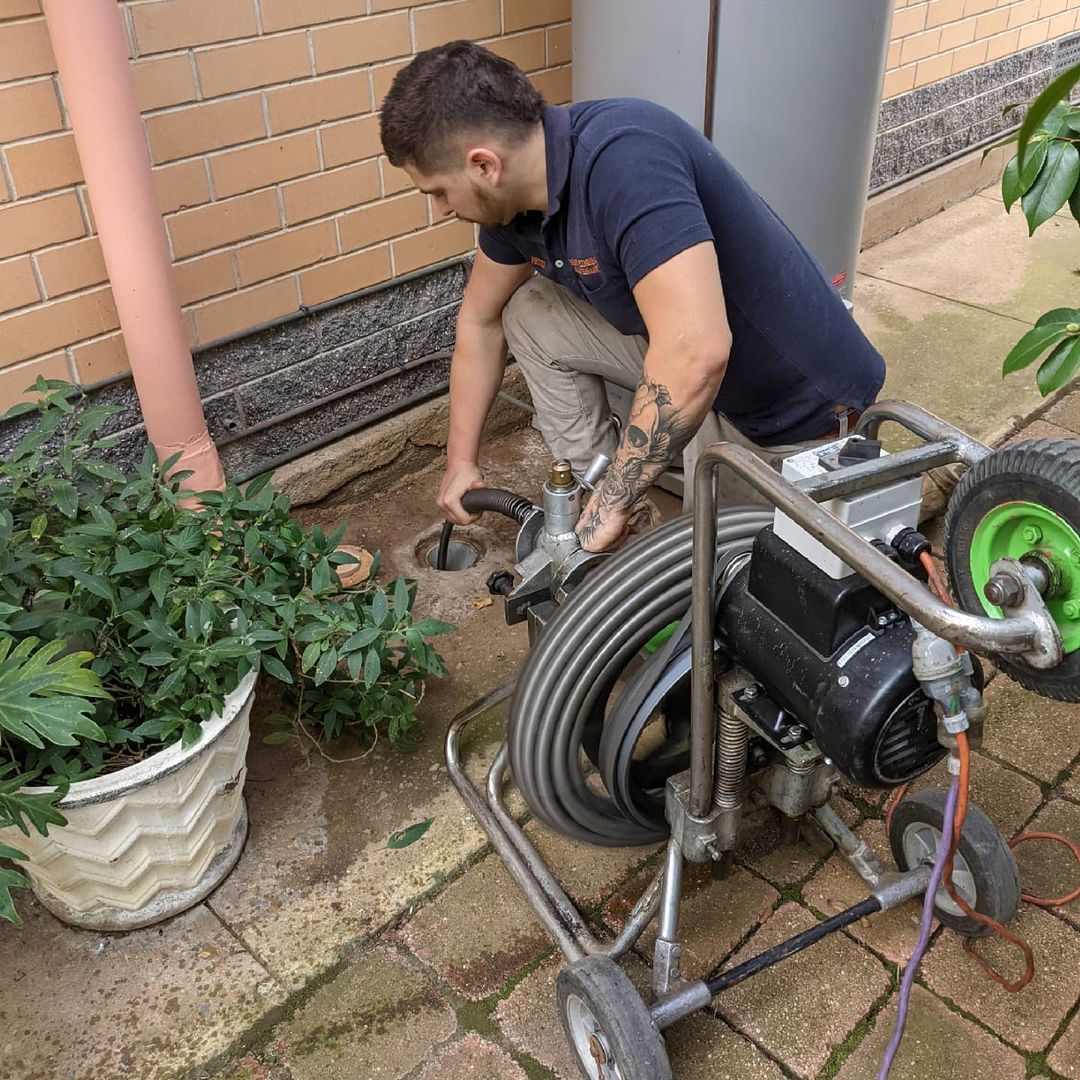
[{"x": 856, "y": 450}]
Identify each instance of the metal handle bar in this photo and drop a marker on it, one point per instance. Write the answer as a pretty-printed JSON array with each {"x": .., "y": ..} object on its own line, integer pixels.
[{"x": 925, "y": 424}]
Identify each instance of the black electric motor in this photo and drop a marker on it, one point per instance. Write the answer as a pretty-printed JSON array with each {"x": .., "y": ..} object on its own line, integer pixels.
[{"x": 835, "y": 657}]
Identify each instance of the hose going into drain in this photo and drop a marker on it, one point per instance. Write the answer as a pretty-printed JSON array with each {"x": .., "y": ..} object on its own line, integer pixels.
[
  {"x": 476, "y": 502},
  {"x": 568, "y": 676}
]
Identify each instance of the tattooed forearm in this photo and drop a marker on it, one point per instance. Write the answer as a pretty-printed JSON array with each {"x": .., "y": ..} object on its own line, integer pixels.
[{"x": 657, "y": 430}]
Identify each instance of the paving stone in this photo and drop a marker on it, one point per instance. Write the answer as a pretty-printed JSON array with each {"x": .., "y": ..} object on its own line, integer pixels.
[
  {"x": 1048, "y": 868},
  {"x": 803, "y": 1007},
  {"x": 478, "y": 932},
  {"x": 837, "y": 886},
  {"x": 377, "y": 1020},
  {"x": 701, "y": 1047},
  {"x": 1041, "y": 737},
  {"x": 473, "y": 1058},
  {"x": 713, "y": 918},
  {"x": 1005, "y": 796},
  {"x": 1040, "y": 429},
  {"x": 938, "y": 1045},
  {"x": 529, "y": 1017},
  {"x": 1066, "y": 412},
  {"x": 1070, "y": 787},
  {"x": 1065, "y": 1057},
  {"x": 1030, "y": 1018},
  {"x": 587, "y": 873},
  {"x": 75, "y": 1005}
]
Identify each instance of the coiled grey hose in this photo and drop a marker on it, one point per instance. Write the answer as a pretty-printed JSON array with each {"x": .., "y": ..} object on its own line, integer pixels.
[{"x": 569, "y": 673}]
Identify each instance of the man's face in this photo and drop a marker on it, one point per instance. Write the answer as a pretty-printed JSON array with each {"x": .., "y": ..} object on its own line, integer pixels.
[{"x": 467, "y": 193}]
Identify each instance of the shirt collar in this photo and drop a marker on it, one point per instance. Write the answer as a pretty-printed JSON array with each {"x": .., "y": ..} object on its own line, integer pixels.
[{"x": 557, "y": 155}]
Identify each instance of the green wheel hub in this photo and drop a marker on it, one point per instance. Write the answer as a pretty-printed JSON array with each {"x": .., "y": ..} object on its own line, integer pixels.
[{"x": 1016, "y": 530}]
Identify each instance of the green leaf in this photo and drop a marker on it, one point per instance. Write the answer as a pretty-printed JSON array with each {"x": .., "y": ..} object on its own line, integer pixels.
[
  {"x": 1054, "y": 184},
  {"x": 1060, "y": 366},
  {"x": 372, "y": 668},
  {"x": 160, "y": 580},
  {"x": 401, "y": 598},
  {"x": 276, "y": 669},
  {"x": 98, "y": 586},
  {"x": 11, "y": 853},
  {"x": 1074, "y": 202},
  {"x": 432, "y": 627},
  {"x": 275, "y": 737},
  {"x": 320, "y": 577},
  {"x": 39, "y": 525},
  {"x": 10, "y": 879},
  {"x": 1014, "y": 183},
  {"x": 104, "y": 471},
  {"x": 325, "y": 667},
  {"x": 138, "y": 560},
  {"x": 1035, "y": 342},
  {"x": 405, "y": 837},
  {"x": 380, "y": 608},
  {"x": 361, "y": 639},
  {"x": 311, "y": 655},
  {"x": 1044, "y": 105},
  {"x": 1063, "y": 315}
]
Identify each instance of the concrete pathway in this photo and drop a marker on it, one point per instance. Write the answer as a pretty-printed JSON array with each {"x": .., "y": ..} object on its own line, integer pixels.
[{"x": 328, "y": 955}]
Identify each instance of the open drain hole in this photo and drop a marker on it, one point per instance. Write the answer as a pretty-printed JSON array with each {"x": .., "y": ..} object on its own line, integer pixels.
[{"x": 460, "y": 555}]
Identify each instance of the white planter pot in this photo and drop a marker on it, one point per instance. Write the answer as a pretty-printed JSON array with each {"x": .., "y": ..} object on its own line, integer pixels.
[{"x": 151, "y": 840}]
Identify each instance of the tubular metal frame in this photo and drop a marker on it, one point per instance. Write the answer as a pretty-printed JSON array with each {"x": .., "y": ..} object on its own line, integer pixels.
[{"x": 1028, "y": 634}]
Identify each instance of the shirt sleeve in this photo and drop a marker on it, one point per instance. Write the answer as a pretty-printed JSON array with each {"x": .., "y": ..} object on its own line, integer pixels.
[
  {"x": 643, "y": 201},
  {"x": 499, "y": 249}
]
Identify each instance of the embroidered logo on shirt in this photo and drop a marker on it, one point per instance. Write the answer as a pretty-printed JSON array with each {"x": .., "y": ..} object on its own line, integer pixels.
[
  {"x": 585, "y": 267},
  {"x": 539, "y": 263}
]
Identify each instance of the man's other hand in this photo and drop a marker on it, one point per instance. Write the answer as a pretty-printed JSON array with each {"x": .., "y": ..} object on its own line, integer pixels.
[
  {"x": 459, "y": 477},
  {"x": 600, "y": 527}
]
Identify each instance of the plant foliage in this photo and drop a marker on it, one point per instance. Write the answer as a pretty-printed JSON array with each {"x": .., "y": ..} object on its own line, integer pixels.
[
  {"x": 154, "y": 611},
  {"x": 1044, "y": 176}
]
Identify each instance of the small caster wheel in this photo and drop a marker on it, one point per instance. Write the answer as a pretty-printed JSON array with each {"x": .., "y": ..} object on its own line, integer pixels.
[
  {"x": 608, "y": 1024},
  {"x": 984, "y": 870}
]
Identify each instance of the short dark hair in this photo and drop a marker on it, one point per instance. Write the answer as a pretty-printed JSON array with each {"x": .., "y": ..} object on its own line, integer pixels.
[{"x": 449, "y": 91}]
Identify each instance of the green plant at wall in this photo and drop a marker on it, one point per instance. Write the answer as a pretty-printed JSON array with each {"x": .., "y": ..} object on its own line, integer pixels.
[
  {"x": 1045, "y": 176},
  {"x": 168, "y": 608}
]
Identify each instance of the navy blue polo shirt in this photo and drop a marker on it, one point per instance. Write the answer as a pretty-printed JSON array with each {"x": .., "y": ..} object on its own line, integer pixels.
[{"x": 630, "y": 185}]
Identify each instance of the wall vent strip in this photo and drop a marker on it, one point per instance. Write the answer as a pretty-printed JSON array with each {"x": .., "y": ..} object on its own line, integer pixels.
[{"x": 1066, "y": 52}]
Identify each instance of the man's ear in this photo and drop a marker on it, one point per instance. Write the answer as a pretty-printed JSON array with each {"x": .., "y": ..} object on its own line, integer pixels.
[{"x": 484, "y": 165}]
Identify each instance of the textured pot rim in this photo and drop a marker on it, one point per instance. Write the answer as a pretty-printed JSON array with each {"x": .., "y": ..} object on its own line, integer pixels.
[{"x": 113, "y": 785}]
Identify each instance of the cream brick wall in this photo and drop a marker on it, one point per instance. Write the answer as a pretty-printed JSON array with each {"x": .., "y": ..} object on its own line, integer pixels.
[
  {"x": 932, "y": 39},
  {"x": 261, "y": 118}
]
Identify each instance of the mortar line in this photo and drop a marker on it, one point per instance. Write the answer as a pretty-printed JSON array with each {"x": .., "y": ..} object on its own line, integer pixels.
[{"x": 948, "y": 299}]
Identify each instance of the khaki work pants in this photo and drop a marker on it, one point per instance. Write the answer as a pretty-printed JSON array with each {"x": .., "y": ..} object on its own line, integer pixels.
[{"x": 566, "y": 349}]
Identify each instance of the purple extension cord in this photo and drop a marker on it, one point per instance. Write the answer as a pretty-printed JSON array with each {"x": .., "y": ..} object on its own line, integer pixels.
[{"x": 924, "y": 934}]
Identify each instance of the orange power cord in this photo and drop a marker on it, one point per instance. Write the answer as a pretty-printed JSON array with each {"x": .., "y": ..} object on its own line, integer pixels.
[{"x": 964, "y": 754}]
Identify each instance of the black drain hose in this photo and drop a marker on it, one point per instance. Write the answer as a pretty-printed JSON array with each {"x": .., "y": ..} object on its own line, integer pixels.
[
  {"x": 569, "y": 674},
  {"x": 476, "y": 502}
]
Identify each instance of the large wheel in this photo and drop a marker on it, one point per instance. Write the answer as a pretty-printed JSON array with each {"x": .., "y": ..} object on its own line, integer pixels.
[
  {"x": 984, "y": 870},
  {"x": 608, "y": 1024},
  {"x": 1023, "y": 502}
]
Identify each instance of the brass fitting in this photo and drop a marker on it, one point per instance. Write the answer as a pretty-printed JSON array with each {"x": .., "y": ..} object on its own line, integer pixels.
[{"x": 562, "y": 475}]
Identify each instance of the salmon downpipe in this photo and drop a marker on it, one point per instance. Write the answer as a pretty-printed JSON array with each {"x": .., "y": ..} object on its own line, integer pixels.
[{"x": 90, "y": 45}]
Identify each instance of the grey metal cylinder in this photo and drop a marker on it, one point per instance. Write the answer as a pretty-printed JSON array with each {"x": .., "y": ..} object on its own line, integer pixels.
[{"x": 793, "y": 100}]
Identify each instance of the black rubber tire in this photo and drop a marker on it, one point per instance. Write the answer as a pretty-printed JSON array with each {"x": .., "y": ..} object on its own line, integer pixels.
[
  {"x": 1046, "y": 471},
  {"x": 634, "y": 1042},
  {"x": 992, "y": 866}
]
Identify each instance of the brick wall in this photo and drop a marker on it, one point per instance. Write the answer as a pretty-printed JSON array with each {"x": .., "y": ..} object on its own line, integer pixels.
[
  {"x": 933, "y": 39},
  {"x": 261, "y": 119},
  {"x": 953, "y": 66}
]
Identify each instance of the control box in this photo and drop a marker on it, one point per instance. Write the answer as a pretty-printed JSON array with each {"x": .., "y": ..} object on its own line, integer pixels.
[{"x": 877, "y": 514}]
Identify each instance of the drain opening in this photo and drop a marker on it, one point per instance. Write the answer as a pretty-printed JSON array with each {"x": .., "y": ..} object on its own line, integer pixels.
[{"x": 460, "y": 555}]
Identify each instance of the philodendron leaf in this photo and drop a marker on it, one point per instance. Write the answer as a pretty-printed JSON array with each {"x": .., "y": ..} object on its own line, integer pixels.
[
  {"x": 410, "y": 835},
  {"x": 1053, "y": 185},
  {"x": 1044, "y": 105},
  {"x": 1032, "y": 345},
  {"x": 1013, "y": 182},
  {"x": 9, "y": 880},
  {"x": 1061, "y": 365}
]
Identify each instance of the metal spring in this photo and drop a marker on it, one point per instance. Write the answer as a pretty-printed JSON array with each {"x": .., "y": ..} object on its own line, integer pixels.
[{"x": 731, "y": 742}]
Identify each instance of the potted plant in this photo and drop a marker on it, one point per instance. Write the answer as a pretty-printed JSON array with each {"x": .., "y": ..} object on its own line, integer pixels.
[{"x": 171, "y": 612}]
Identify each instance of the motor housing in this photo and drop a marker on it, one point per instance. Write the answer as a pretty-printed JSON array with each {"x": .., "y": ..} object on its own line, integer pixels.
[{"x": 835, "y": 655}]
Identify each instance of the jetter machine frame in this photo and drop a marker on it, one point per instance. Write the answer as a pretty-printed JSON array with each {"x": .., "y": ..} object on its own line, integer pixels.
[{"x": 865, "y": 673}]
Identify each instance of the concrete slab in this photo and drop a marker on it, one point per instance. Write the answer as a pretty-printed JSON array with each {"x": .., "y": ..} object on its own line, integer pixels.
[
  {"x": 701, "y": 1047},
  {"x": 1066, "y": 413},
  {"x": 77, "y": 1005},
  {"x": 1048, "y": 868},
  {"x": 377, "y": 1020},
  {"x": 836, "y": 886},
  {"x": 979, "y": 255},
  {"x": 479, "y": 932},
  {"x": 937, "y": 351},
  {"x": 1070, "y": 787},
  {"x": 1041, "y": 737},
  {"x": 1040, "y": 429},
  {"x": 1005, "y": 796},
  {"x": 938, "y": 1045},
  {"x": 1030, "y": 1018},
  {"x": 1065, "y": 1057},
  {"x": 473, "y": 1058},
  {"x": 802, "y": 1008}
]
